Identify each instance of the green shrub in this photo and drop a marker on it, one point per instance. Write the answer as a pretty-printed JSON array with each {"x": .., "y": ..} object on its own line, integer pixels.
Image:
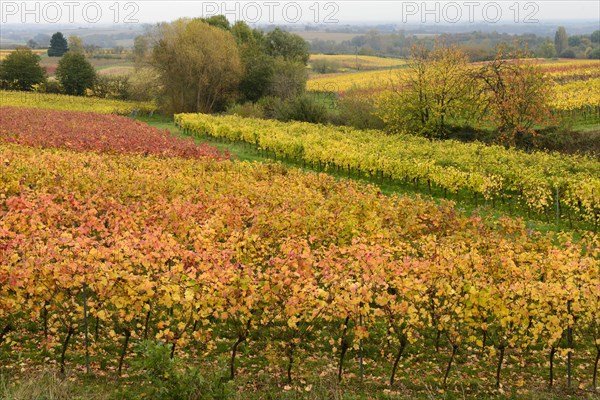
[
  {"x": 302, "y": 108},
  {"x": 111, "y": 87},
  {"x": 51, "y": 86},
  {"x": 143, "y": 85},
  {"x": 359, "y": 113},
  {"x": 270, "y": 105},
  {"x": 594, "y": 54},
  {"x": 169, "y": 380},
  {"x": 325, "y": 66},
  {"x": 568, "y": 53},
  {"x": 288, "y": 80},
  {"x": 247, "y": 110}
]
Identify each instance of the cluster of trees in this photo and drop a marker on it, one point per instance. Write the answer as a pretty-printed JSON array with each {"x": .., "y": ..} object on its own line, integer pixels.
[
  {"x": 191, "y": 65},
  {"x": 577, "y": 46},
  {"x": 21, "y": 70},
  {"x": 440, "y": 92},
  {"x": 479, "y": 46},
  {"x": 94, "y": 41},
  {"x": 203, "y": 65},
  {"x": 58, "y": 45}
]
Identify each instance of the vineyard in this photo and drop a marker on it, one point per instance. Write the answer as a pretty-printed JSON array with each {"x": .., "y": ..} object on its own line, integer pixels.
[
  {"x": 4, "y": 52},
  {"x": 73, "y": 103},
  {"x": 300, "y": 201},
  {"x": 342, "y": 82},
  {"x": 103, "y": 133},
  {"x": 554, "y": 185},
  {"x": 358, "y": 62},
  {"x": 566, "y": 71},
  {"x": 238, "y": 262},
  {"x": 583, "y": 95},
  {"x": 576, "y": 84},
  {"x": 116, "y": 236}
]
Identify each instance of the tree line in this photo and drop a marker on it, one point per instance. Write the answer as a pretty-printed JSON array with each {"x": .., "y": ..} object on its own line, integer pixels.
[
  {"x": 189, "y": 65},
  {"x": 204, "y": 65},
  {"x": 479, "y": 46},
  {"x": 21, "y": 69}
]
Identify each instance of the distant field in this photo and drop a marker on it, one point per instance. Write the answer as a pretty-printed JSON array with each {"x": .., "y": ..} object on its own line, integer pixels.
[
  {"x": 120, "y": 70},
  {"x": 5, "y": 52},
  {"x": 61, "y": 102},
  {"x": 350, "y": 61},
  {"x": 102, "y": 65},
  {"x": 105, "y": 66},
  {"x": 335, "y": 36}
]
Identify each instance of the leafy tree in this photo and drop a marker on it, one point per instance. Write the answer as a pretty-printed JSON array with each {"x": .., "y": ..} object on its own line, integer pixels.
[
  {"x": 289, "y": 46},
  {"x": 111, "y": 87},
  {"x": 76, "y": 44},
  {"x": 32, "y": 44},
  {"x": 21, "y": 69},
  {"x": 290, "y": 55},
  {"x": 199, "y": 65},
  {"x": 218, "y": 21},
  {"x": 594, "y": 54},
  {"x": 244, "y": 35},
  {"x": 561, "y": 40},
  {"x": 289, "y": 79},
  {"x": 302, "y": 108},
  {"x": 574, "y": 41},
  {"x": 91, "y": 49},
  {"x": 58, "y": 45},
  {"x": 433, "y": 93},
  {"x": 366, "y": 51},
  {"x": 595, "y": 36},
  {"x": 516, "y": 94},
  {"x": 274, "y": 64},
  {"x": 547, "y": 50},
  {"x": 140, "y": 48},
  {"x": 568, "y": 53},
  {"x": 324, "y": 66},
  {"x": 359, "y": 112},
  {"x": 75, "y": 74},
  {"x": 144, "y": 85},
  {"x": 258, "y": 75},
  {"x": 258, "y": 65},
  {"x": 42, "y": 40}
]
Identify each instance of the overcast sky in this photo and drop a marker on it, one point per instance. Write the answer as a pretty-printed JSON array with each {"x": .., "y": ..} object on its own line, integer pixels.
[{"x": 301, "y": 12}]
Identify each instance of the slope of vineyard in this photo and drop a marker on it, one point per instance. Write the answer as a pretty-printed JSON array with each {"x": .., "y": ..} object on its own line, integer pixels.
[
  {"x": 205, "y": 254},
  {"x": 358, "y": 62},
  {"x": 91, "y": 131},
  {"x": 533, "y": 179},
  {"x": 575, "y": 83},
  {"x": 343, "y": 82},
  {"x": 73, "y": 103},
  {"x": 577, "y": 95},
  {"x": 569, "y": 70},
  {"x": 6, "y": 52}
]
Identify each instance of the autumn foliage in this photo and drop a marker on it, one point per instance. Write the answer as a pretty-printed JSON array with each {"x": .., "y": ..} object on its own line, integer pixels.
[
  {"x": 534, "y": 181},
  {"x": 516, "y": 97},
  {"x": 206, "y": 255},
  {"x": 84, "y": 131}
]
